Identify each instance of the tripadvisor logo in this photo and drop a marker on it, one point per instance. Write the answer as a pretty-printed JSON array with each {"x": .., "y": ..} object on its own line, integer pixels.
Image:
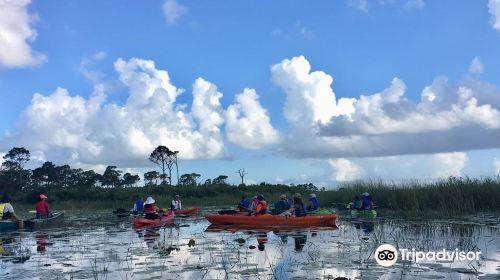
[{"x": 386, "y": 255}]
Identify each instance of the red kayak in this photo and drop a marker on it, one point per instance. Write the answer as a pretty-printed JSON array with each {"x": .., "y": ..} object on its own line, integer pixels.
[
  {"x": 142, "y": 222},
  {"x": 273, "y": 220},
  {"x": 187, "y": 211}
]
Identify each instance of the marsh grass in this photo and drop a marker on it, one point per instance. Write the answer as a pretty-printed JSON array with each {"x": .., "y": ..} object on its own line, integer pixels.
[
  {"x": 455, "y": 195},
  {"x": 452, "y": 196}
]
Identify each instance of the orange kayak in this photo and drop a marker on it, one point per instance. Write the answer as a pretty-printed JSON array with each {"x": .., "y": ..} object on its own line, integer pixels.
[
  {"x": 142, "y": 222},
  {"x": 187, "y": 211},
  {"x": 273, "y": 220}
]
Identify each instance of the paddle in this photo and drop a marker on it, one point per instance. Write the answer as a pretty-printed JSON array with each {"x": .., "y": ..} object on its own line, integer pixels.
[{"x": 32, "y": 211}]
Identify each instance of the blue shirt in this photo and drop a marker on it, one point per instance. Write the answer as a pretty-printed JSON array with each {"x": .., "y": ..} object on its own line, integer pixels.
[
  {"x": 367, "y": 203},
  {"x": 245, "y": 203},
  {"x": 139, "y": 205},
  {"x": 313, "y": 204},
  {"x": 299, "y": 210}
]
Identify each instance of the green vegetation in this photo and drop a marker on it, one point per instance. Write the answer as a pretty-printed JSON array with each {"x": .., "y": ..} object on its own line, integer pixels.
[
  {"x": 74, "y": 188},
  {"x": 453, "y": 196}
]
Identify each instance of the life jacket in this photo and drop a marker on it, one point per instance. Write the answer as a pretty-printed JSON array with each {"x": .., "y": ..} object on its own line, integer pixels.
[
  {"x": 300, "y": 210},
  {"x": 42, "y": 207},
  {"x": 149, "y": 208},
  {"x": 261, "y": 207},
  {"x": 139, "y": 206},
  {"x": 2, "y": 208},
  {"x": 367, "y": 203}
]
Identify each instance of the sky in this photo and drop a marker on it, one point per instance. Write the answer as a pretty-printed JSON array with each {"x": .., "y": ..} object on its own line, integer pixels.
[{"x": 294, "y": 92}]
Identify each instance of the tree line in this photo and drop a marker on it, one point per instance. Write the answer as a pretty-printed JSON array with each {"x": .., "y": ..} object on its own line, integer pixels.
[{"x": 15, "y": 177}]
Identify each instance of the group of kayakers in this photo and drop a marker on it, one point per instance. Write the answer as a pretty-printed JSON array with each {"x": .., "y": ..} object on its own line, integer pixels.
[
  {"x": 151, "y": 211},
  {"x": 284, "y": 206},
  {"x": 7, "y": 210},
  {"x": 363, "y": 203}
]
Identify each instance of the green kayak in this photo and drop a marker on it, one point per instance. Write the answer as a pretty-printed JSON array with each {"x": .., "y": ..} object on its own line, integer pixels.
[
  {"x": 8, "y": 225},
  {"x": 54, "y": 217},
  {"x": 363, "y": 213}
]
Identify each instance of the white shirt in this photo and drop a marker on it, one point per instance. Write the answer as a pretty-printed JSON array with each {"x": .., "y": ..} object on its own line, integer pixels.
[
  {"x": 8, "y": 208},
  {"x": 176, "y": 204}
]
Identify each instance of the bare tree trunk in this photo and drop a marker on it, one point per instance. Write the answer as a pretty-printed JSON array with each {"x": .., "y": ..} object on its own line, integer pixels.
[{"x": 177, "y": 169}]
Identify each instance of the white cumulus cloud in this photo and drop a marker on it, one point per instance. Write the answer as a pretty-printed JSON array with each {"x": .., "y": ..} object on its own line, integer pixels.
[
  {"x": 476, "y": 66},
  {"x": 16, "y": 32},
  {"x": 310, "y": 99},
  {"x": 449, "y": 117},
  {"x": 494, "y": 9},
  {"x": 248, "y": 123},
  {"x": 496, "y": 165},
  {"x": 87, "y": 131},
  {"x": 63, "y": 127},
  {"x": 344, "y": 170},
  {"x": 449, "y": 164},
  {"x": 173, "y": 11}
]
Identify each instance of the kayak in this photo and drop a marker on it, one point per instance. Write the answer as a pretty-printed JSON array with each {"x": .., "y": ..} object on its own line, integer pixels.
[
  {"x": 355, "y": 213},
  {"x": 7, "y": 225},
  {"x": 319, "y": 212},
  {"x": 142, "y": 222},
  {"x": 187, "y": 211},
  {"x": 273, "y": 220},
  {"x": 54, "y": 217},
  {"x": 262, "y": 228}
]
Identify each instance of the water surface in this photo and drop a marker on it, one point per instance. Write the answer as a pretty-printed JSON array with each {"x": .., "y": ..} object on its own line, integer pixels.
[{"x": 98, "y": 245}]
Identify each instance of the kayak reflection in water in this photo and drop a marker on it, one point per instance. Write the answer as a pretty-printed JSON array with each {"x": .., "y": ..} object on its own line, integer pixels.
[
  {"x": 282, "y": 235},
  {"x": 300, "y": 241},
  {"x": 262, "y": 240},
  {"x": 41, "y": 242},
  {"x": 366, "y": 226}
]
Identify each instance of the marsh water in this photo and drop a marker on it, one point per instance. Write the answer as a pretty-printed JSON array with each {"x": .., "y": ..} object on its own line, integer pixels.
[{"x": 98, "y": 245}]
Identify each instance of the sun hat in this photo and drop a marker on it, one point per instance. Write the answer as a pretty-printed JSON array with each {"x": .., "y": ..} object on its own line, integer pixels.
[
  {"x": 297, "y": 195},
  {"x": 283, "y": 196},
  {"x": 42, "y": 196},
  {"x": 260, "y": 197},
  {"x": 365, "y": 194},
  {"x": 149, "y": 200},
  {"x": 312, "y": 195}
]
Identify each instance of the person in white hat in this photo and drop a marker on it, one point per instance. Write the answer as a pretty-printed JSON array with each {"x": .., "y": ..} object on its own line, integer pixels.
[
  {"x": 42, "y": 207},
  {"x": 150, "y": 209}
]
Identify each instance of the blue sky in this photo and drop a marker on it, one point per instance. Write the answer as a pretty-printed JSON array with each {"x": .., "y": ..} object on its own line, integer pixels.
[{"x": 363, "y": 45}]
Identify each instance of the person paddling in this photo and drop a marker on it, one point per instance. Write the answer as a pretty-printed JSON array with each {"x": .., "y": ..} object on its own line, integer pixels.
[
  {"x": 244, "y": 204},
  {"x": 356, "y": 203},
  {"x": 150, "y": 209},
  {"x": 260, "y": 206},
  {"x": 366, "y": 202},
  {"x": 298, "y": 209},
  {"x": 313, "y": 203},
  {"x": 281, "y": 205},
  {"x": 176, "y": 203},
  {"x": 6, "y": 209},
  {"x": 42, "y": 207},
  {"x": 138, "y": 206}
]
